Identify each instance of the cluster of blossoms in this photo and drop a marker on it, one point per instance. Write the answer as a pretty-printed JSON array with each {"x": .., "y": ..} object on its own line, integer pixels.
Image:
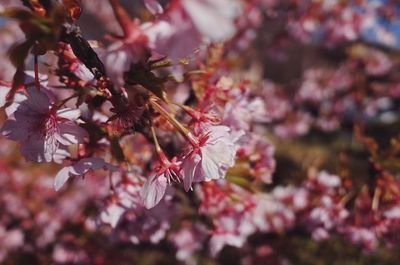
[
  {"x": 334, "y": 23},
  {"x": 156, "y": 135},
  {"x": 363, "y": 88}
]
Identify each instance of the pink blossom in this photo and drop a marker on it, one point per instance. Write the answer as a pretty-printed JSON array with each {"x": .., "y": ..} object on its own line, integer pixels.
[
  {"x": 173, "y": 35},
  {"x": 80, "y": 168},
  {"x": 393, "y": 213},
  {"x": 125, "y": 212},
  {"x": 65, "y": 254},
  {"x": 112, "y": 213},
  {"x": 232, "y": 219},
  {"x": 81, "y": 71},
  {"x": 328, "y": 181},
  {"x": 164, "y": 174},
  {"x": 205, "y": 14},
  {"x": 188, "y": 240},
  {"x": 153, "y": 190},
  {"x": 42, "y": 129},
  {"x": 276, "y": 104},
  {"x": 362, "y": 236},
  {"x": 185, "y": 25},
  {"x": 228, "y": 236},
  {"x": 260, "y": 154},
  {"x": 271, "y": 214},
  {"x": 212, "y": 158},
  {"x": 241, "y": 113},
  {"x": 297, "y": 198},
  {"x": 12, "y": 239},
  {"x": 119, "y": 56},
  {"x": 125, "y": 197},
  {"x": 153, "y": 6},
  {"x": 296, "y": 125},
  {"x": 377, "y": 63}
]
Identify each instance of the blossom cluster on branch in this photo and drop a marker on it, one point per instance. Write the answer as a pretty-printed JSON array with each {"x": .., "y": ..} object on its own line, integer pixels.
[{"x": 181, "y": 127}]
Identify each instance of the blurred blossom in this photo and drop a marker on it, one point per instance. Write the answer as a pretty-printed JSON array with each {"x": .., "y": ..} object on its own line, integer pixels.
[{"x": 199, "y": 131}]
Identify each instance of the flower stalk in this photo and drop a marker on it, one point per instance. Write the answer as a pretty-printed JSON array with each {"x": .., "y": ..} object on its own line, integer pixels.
[
  {"x": 122, "y": 17},
  {"x": 181, "y": 129}
]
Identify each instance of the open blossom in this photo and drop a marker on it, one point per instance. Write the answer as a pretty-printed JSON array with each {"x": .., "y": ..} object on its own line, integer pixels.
[
  {"x": 165, "y": 173},
  {"x": 173, "y": 34},
  {"x": 212, "y": 158},
  {"x": 232, "y": 220},
  {"x": 241, "y": 113},
  {"x": 41, "y": 128},
  {"x": 119, "y": 56},
  {"x": 125, "y": 212},
  {"x": 186, "y": 24},
  {"x": 229, "y": 93},
  {"x": 125, "y": 197}
]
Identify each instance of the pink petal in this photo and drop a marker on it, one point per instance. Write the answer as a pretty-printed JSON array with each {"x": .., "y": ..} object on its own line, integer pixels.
[
  {"x": 112, "y": 215},
  {"x": 82, "y": 72},
  {"x": 110, "y": 167},
  {"x": 175, "y": 37},
  {"x": 37, "y": 101},
  {"x": 61, "y": 178},
  {"x": 70, "y": 133},
  {"x": 217, "y": 132},
  {"x": 33, "y": 149},
  {"x": 13, "y": 130},
  {"x": 50, "y": 145},
  {"x": 207, "y": 14},
  {"x": 189, "y": 168},
  {"x": 153, "y": 6},
  {"x": 117, "y": 61},
  {"x": 18, "y": 99},
  {"x": 68, "y": 113},
  {"x": 84, "y": 165},
  {"x": 60, "y": 155},
  {"x": 3, "y": 93},
  {"x": 210, "y": 169},
  {"x": 153, "y": 190}
]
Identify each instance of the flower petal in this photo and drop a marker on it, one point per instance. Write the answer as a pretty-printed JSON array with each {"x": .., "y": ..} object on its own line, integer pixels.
[
  {"x": 13, "y": 130},
  {"x": 206, "y": 14},
  {"x": 210, "y": 169},
  {"x": 61, "y": 178},
  {"x": 68, "y": 113},
  {"x": 50, "y": 144},
  {"x": 112, "y": 215},
  {"x": 37, "y": 101},
  {"x": 85, "y": 164},
  {"x": 153, "y": 6},
  {"x": 33, "y": 149},
  {"x": 18, "y": 99},
  {"x": 189, "y": 168},
  {"x": 153, "y": 190},
  {"x": 60, "y": 155},
  {"x": 70, "y": 133}
]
